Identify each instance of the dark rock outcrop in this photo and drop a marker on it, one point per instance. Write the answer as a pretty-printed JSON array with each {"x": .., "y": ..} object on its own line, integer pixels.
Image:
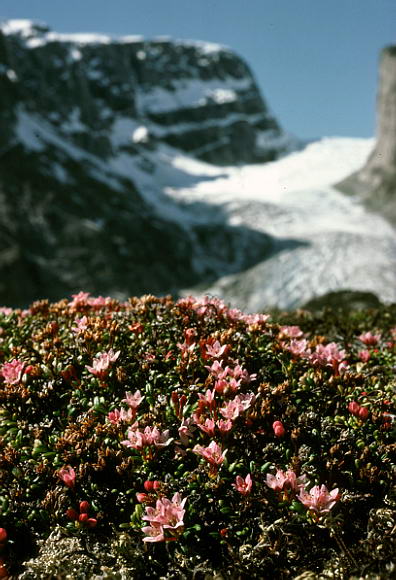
[
  {"x": 347, "y": 300},
  {"x": 376, "y": 181}
]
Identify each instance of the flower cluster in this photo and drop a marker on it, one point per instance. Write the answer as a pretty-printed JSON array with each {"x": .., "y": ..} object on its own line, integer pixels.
[
  {"x": 109, "y": 408},
  {"x": 166, "y": 519},
  {"x": 102, "y": 363},
  {"x": 318, "y": 499}
]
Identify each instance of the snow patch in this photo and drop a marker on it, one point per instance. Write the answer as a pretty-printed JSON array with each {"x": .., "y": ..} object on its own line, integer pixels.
[
  {"x": 140, "y": 135},
  {"x": 75, "y": 54},
  {"x": 191, "y": 93}
]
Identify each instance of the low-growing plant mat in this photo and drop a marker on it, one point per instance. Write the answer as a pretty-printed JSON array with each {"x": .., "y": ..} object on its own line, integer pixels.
[{"x": 163, "y": 439}]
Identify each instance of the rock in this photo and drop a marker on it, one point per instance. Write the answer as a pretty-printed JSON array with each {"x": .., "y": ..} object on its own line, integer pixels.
[
  {"x": 347, "y": 300},
  {"x": 376, "y": 181}
]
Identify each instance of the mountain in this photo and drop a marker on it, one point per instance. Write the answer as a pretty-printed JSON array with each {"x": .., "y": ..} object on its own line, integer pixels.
[
  {"x": 376, "y": 181},
  {"x": 130, "y": 166},
  {"x": 90, "y": 128}
]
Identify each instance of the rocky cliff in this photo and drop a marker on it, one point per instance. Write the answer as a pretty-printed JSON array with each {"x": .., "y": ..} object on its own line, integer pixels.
[
  {"x": 103, "y": 94},
  {"x": 376, "y": 181},
  {"x": 91, "y": 128}
]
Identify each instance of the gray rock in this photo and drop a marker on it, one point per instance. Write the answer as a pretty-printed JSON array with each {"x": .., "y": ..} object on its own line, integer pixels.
[{"x": 376, "y": 181}]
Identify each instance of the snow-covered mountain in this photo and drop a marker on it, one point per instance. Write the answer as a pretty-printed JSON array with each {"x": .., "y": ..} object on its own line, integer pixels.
[{"x": 106, "y": 185}]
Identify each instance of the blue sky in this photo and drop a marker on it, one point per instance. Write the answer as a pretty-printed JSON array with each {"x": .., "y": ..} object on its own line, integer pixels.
[{"x": 316, "y": 61}]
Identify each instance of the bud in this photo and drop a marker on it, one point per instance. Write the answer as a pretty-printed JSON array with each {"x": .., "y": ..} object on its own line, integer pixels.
[
  {"x": 72, "y": 514},
  {"x": 83, "y": 518},
  {"x": 278, "y": 428},
  {"x": 363, "y": 413},
  {"x": 84, "y": 506},
  {"x": 142, "y": 497},
  {"x": 354, "y": 408},
  {"x": 3, "y": 535}
]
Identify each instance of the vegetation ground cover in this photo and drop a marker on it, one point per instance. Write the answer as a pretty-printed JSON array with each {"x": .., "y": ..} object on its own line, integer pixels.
[{"x": 185, "y": 439}]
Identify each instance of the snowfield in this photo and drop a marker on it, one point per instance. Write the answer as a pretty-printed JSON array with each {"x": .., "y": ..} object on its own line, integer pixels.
[{"x": 344, "y": 246}]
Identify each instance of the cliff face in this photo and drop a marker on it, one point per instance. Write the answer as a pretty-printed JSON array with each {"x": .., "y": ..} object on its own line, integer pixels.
[
  {"x": 89, "y": 127},
  {"x": 376, "y": 181},
  {"x": 103, "y": 94}
]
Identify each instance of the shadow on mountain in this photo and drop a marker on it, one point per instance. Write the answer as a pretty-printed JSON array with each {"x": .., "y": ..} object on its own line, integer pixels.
[{"x": 61, "y": 234}]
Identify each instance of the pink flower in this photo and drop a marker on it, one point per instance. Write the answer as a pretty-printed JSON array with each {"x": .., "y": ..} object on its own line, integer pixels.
[
  {"x": 278, "y": 428},
  {"x": 291, "y": 331},
  {"x": 206, "y": 400},
  {"x": 150, "y": 436},
  {"x": 329, "y": 355},
  {"x": 13, "y": 371},
  {"x": 255, "y": 319},
  {"x": 282, "y": 481},
  {"x": 216, "y": 369},
  {"x": 99, "y": 302},
  {"x": 79, "y": 301},
  {"x": 244, "y": 486},
  {"x": 134, "y": 400},
  {"x": 224, "y": 426},
  {"x": 234, "y": 314},
  {"x": 238, "y": 405},
  {"x": 230, "y": 411},
  {"x": 224, "y": 386},
  {"x": 81, "y": 325},
  {"x": 68, "y": 476},
  {"x": 213, "y": 453},
  {"x": 135, "y": 440},
  {"x": 369, "y": 339},
  {"x": 208, "y": 427},
  {"x": 166, "y": 519},
  {"x": 184, "y": 432},
  {"x": 298, "y": 348},
  {"x": 119, "y": 415},
  {"x": 190, "y": 334},
  {"x": 364, "y": 355},
  {"x": 239, "y": 373},
  {"x": 102, "y": 362},
  {"x": 186, "y": 348},
  {"x": 319, "y": 499},
  {"x": 215, "y": 350}
]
